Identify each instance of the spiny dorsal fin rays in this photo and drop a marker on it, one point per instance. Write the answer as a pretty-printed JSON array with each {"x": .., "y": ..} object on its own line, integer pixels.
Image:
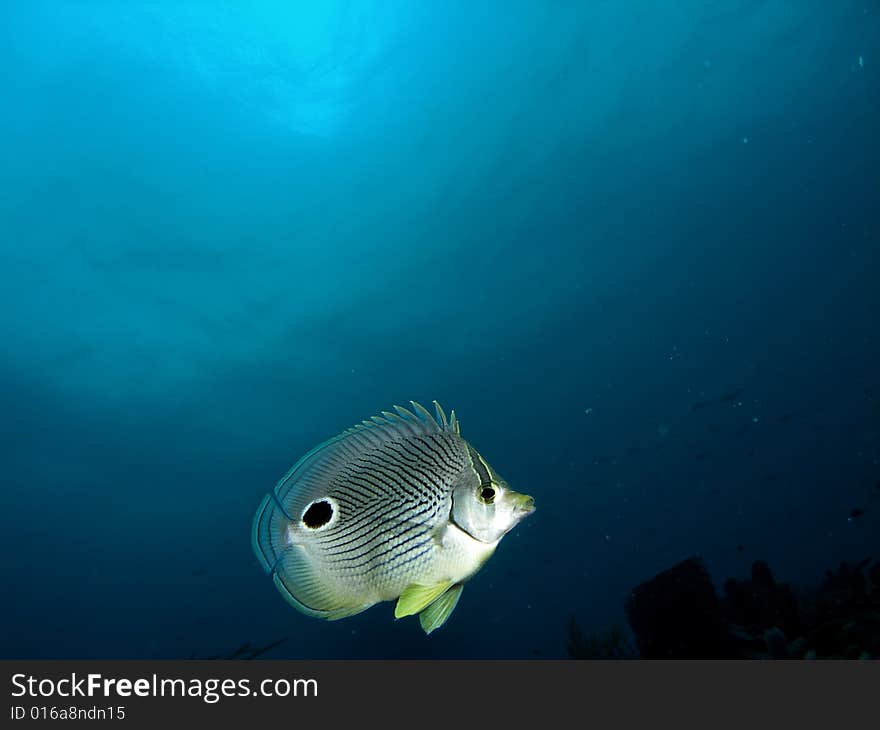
[
  {"x": 405, "y": 415},
  {"x": 414, "y": 421},
  {"x": 406, "y": 420},
  {"x": 391, "y": 424},
  {"x": 441, "y": 416},
  {"x": 423, "y": 414}
]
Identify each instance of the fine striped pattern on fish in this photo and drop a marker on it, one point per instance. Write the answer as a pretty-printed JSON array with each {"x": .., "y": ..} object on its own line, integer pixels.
[{"x": 398, "y": 507}]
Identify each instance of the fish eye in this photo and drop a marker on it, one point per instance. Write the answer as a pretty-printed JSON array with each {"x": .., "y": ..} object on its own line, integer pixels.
[
  {"x": 318, "y": 514},
  {"x": 487, "y": 494}
]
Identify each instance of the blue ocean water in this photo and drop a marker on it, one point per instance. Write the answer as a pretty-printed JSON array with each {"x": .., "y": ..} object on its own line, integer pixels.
[{"x": 635, "y": 245}]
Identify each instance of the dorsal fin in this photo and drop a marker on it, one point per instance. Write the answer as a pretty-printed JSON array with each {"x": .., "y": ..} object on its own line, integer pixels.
[{"x": 441, "y": 416}]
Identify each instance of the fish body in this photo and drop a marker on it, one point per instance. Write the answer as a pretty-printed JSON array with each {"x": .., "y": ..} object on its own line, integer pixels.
[{"x": 398, "y": 507}]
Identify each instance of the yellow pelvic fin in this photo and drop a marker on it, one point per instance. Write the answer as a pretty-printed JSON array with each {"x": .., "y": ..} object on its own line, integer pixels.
[
  {"x": 415, "y": 598},
  {"x": 435, "y": 615}
]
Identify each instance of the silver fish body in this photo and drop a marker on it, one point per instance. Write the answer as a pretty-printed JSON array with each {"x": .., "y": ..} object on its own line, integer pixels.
[{"x": 398, "y": 507}]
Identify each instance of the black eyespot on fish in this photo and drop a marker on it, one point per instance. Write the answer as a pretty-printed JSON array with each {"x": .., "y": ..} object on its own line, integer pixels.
[
  {"x": 857, "y": 512},
  {"x": 318, "y": 514},
  {"x": 487, "y": 495}
]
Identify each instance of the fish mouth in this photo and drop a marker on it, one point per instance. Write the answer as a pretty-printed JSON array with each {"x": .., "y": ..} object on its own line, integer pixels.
[{"x": 524, "y": 503}]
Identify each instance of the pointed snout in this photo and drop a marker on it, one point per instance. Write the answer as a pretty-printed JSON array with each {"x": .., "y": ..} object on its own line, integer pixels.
[{"x": 523, "y": 502}]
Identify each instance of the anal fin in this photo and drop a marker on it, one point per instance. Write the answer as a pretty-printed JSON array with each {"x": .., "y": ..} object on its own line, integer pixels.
[
  {"x": 435, "y": 615},
  {"x": 299, "y": 579}
]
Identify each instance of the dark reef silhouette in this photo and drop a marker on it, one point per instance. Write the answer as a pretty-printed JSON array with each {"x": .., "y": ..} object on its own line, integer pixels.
[{"x": 677, "y": 614}]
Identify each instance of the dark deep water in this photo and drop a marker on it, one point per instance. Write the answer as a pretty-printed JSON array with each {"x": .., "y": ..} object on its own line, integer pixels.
[{"x": 635, "y": 245}]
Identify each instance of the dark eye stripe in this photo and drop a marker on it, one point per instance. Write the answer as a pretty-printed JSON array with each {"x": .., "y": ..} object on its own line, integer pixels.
[{"x": 479, "y": 466}]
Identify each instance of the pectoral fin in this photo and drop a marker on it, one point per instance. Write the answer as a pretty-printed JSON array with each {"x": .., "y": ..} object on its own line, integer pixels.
[
  {"x": 416, "y": 598},
  {"x": 435, "y": 615}
]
